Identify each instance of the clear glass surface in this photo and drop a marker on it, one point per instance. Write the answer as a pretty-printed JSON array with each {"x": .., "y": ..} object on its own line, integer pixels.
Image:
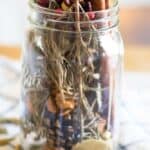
[{"x": 71, "y": 81}]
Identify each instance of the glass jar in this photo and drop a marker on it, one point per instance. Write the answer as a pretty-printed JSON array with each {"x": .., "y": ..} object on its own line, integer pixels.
[{"x": 71, "y": 80}]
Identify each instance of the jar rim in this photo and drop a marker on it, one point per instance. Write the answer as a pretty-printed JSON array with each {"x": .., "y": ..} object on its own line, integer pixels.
[
  {"x": 107, "y": 15},
  {"x": 49, "y": 11}
]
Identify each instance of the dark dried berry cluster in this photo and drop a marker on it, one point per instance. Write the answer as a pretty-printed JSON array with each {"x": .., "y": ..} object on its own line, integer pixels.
[{"x": 88, "y": 5}]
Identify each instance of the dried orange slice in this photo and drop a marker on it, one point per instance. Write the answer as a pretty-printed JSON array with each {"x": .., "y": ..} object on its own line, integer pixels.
[{"x": 92, "y": 145}]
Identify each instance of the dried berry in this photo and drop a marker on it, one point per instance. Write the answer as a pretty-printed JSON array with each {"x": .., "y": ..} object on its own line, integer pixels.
[
  {"x": 59, "y": 1},
  {"x": 91, "y": 15},
  {"x": 43, "y": 3},
  {"x": 68, "y": 2},
  {"x": 58, "y": 11},
  {"x": 87, "y": 6}
]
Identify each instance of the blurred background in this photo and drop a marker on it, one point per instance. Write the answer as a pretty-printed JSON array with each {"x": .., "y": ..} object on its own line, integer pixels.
[{"x": 135, "y": 28}]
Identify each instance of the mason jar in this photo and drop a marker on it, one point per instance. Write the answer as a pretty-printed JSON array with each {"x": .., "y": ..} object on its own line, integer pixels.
[{"x": 71, "y": 80}]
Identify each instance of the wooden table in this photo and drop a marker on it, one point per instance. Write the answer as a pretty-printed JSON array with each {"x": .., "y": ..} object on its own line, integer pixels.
[{"x": 137, "y": 58}]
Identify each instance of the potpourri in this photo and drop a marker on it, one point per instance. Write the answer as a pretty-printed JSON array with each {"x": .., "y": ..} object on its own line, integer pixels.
[{"x": 67, "y": 77}]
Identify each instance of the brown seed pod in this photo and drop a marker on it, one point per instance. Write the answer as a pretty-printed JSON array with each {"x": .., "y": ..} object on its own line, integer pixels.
[
  {"x": 63, "y": 104},
  {"x": 60, "y": 104}
]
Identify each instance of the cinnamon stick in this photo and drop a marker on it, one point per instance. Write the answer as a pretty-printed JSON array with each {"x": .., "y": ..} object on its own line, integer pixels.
[
  {"x": 107, "y": 4},
  {"x": 98, "y": 5}
]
